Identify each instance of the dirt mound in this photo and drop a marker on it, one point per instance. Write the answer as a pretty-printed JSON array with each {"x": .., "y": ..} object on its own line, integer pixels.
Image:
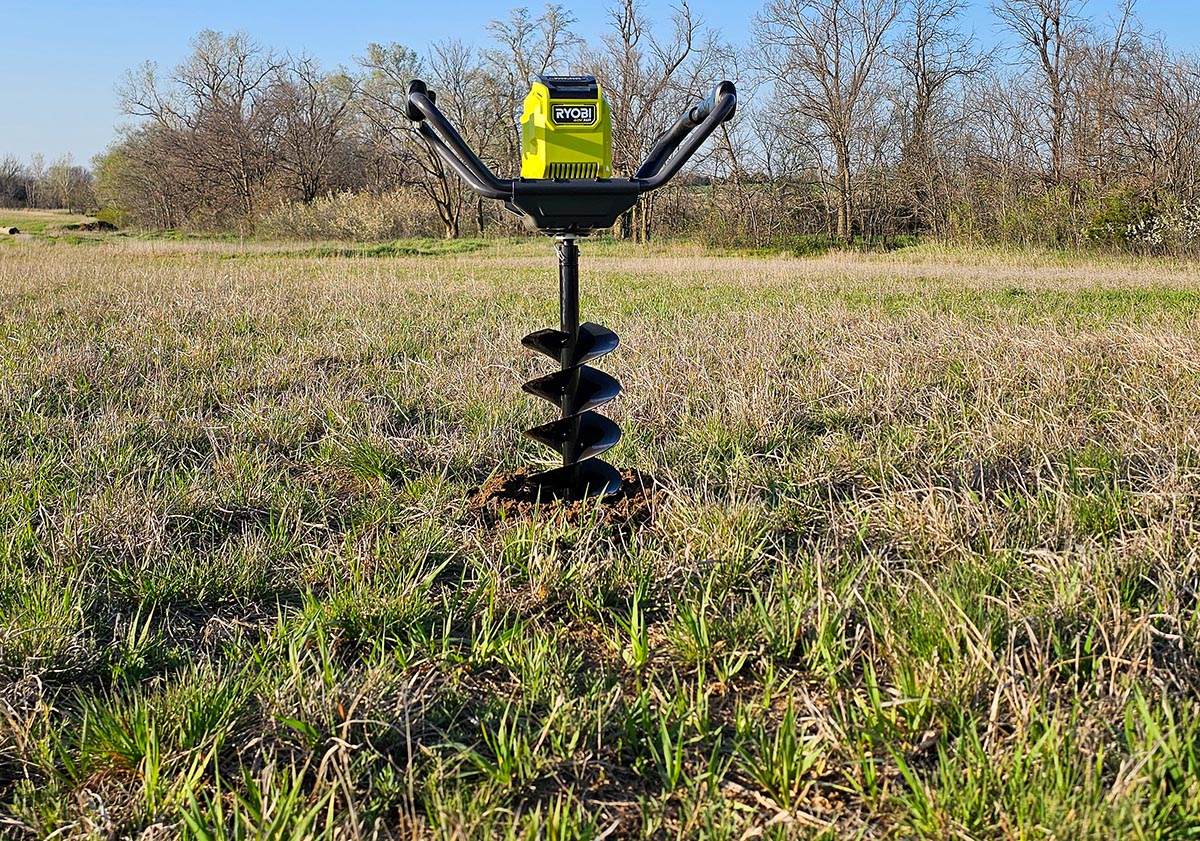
[{"x": 509, "y": 495}]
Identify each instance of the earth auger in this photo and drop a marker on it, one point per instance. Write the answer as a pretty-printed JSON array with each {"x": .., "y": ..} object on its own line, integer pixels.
[{"x": 566, "y": 190}]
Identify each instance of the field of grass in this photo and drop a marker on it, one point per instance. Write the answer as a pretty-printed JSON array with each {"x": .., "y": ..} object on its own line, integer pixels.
[
  {"x": 39, "y": 221},
  {"x": 924, "y": 560}
]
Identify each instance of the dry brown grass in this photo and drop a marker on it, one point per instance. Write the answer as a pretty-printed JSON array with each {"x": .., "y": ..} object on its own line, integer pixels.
[{"x": 924, "y": 560}]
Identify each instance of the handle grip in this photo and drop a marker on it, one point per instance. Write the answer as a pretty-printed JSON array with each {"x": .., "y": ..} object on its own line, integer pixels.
[
  {"x": 410, "y": 109},
  {"x": 700, "y": 113}
]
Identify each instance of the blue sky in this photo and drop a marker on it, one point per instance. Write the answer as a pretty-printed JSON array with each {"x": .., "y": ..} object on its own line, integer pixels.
[{"x": 60, "y": 63}]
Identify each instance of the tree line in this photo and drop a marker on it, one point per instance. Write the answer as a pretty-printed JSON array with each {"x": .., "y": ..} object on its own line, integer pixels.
[
  {"x": 36, "y": 184},
  {"x": 857, "y": 118}
]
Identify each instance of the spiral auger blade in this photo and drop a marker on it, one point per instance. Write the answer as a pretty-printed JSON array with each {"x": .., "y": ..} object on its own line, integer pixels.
[{"x": 576, "y": 389}]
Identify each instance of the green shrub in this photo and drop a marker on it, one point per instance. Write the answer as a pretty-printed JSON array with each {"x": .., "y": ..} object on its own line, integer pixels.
[
  {"x": 113, "y": 215},
  {"x": 1171, "y": 229},
  {"x": 1115, "y": 218}
]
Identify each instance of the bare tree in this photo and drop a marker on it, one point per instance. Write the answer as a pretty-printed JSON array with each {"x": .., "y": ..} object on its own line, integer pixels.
[
  {"x": 313, "y": 111},
  {"x": 933, "y": 54},
  {"x": 467, "y": 94},
  {"x": 1158, "y": 120},
  {"x": 648, "y": 79},
  {"x": 68, "y": 185},
  {"x": 383, "y": 95},
  {"x": 36, "y": 194},
  {"x": 147, "y": 178},
  {"x": 1050, "y": 33},
  {"x": 1104, "y": 69},
  {"x": 14, "y": 190},
  {"x": 823, "y": 56},
  {"x": 523, "y": 47},
  {"x": 215, "y": 109}
]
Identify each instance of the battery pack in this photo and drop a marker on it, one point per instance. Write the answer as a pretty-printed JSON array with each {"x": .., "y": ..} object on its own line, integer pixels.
[{"x": 566, "y": 130}]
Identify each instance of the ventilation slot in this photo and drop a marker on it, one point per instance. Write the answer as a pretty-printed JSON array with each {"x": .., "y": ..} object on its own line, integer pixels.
[{"x": 575, "y": 170}]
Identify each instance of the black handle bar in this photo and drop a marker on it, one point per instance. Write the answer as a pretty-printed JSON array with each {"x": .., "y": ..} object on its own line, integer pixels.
[
  {"x": 555, "y": 205},
  {"x": 670, "y": 149},
  {"x": 449, "y": 145},
  {"x": 693, "y": 126}
]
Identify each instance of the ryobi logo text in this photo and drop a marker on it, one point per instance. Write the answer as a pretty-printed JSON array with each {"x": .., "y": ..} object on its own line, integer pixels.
[{"x": 575, "y": 114}]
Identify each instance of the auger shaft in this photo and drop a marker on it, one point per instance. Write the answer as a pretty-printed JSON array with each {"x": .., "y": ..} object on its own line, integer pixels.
[
  {"x": 568, "y": 318},
  {"x": 580, "y": 434},
  {"x": 568, "y": 288}
]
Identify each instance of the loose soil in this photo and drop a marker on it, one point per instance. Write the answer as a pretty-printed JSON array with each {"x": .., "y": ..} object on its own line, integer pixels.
[
  {"x": 508, "y": 495},
  {"x": 99, "y": 226}
]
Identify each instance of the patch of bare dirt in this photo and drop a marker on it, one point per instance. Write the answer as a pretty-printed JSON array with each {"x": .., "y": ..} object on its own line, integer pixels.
[
  {"x": 99, "y": 226},
  {"x": 510, "y": 495}
]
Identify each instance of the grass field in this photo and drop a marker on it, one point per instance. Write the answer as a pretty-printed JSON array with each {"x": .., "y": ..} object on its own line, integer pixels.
[
  {"x": 923, "y": 563},
  {"x": 46, "y": 222}
]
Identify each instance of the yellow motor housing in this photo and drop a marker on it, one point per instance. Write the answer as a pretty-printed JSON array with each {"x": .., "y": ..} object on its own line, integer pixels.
[{"x": 566, "y": 129}]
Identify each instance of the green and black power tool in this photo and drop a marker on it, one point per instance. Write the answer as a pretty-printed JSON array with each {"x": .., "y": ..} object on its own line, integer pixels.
[{"x": 567, "y": 189}]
